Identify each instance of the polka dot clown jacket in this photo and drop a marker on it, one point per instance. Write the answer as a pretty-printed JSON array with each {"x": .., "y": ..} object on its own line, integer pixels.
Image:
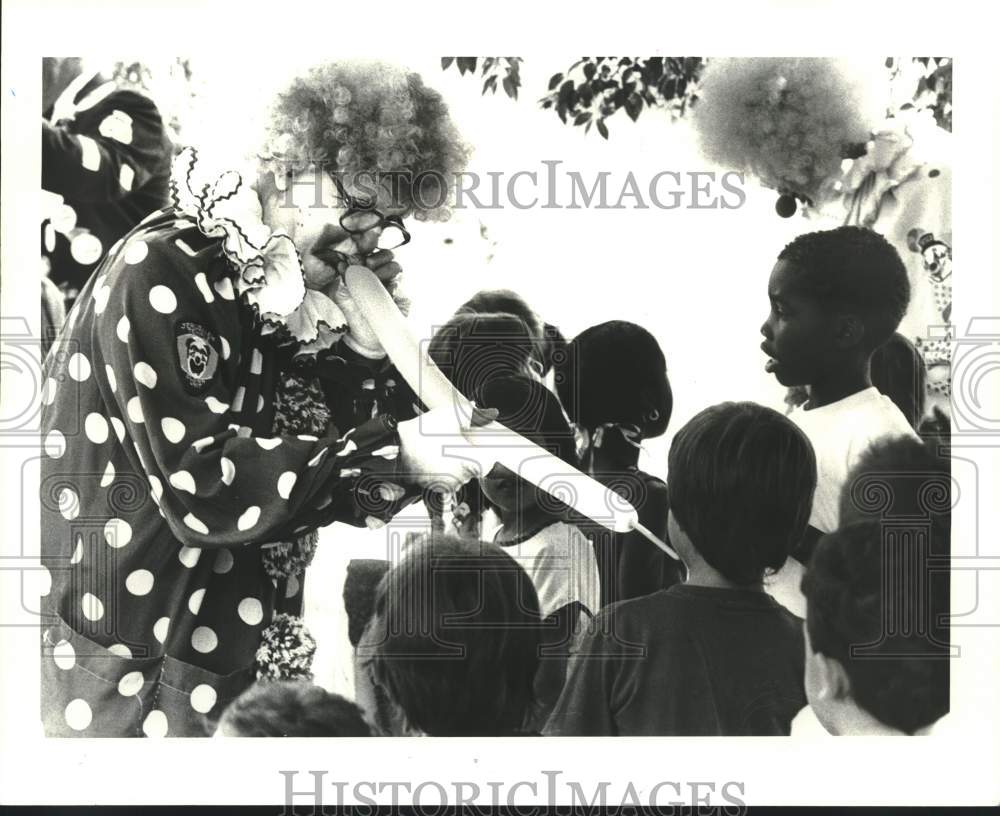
[
  {"x": 174, "y": 461},
  {"x": 105, "y": 150}
]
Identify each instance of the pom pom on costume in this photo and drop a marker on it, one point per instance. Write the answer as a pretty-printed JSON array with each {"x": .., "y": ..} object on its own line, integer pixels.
[
  {"x": 286, "y": 650},
  {"x": 289, "y": 558}
]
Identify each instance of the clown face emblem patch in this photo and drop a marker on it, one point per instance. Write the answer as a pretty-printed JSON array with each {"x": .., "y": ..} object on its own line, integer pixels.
[{"x": 197, "y": 356}]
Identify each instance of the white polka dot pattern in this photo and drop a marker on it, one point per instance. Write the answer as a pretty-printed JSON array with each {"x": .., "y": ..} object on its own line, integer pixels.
[
  {"x": 189, "y": 556},
  {"x": 203, "y": 698},
  {"x": 96, "y": 428},
  {"x": 249, "y": 519},
  {"x": 161, "y": 628},
  {"x": 117, "y": 532},
  {"x": 64, "y": 655},
  {"x": 183, "y": 480},
  {"x": 78, "y": 715},
  {"x": 140, "y": 582},
  {"x": 145, "y": 374},
  {"x": 251, "y": 611},
  {"x": 155, "y": 725},
  {"x": 131, "y": 684},
  {"x": 204, "y": 640},
  {"x": 173, "y": 429},
  {"x": 194, "y": 523},
  {"x": 162, "y": 299}
]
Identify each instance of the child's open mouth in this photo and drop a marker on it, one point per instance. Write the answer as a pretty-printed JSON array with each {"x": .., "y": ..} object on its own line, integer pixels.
[{"x": 772, "y": 362}]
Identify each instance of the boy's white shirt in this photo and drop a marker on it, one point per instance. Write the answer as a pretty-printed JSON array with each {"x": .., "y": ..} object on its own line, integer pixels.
[
  {"x": 562, "y": 566},
  {"x": 840, "y": 433}
]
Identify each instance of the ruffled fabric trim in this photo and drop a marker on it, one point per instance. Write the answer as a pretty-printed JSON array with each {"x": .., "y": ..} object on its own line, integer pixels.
[
  {"x": 268, "y": 269},
  {"x": 890, "y": 160}
]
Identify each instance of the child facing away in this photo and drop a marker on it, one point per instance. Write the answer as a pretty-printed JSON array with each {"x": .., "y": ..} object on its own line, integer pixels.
[
  {"x": 836, "y": 296},
  {"x": 533, "y": 527},
  {"x": 864, "y": 675},
  {"x": 716, "y": 655},
  {"x": 890, "y": 562},
  {"x": 453, "y": 645},
  {"x": 291, "y": 708},
  {"x": 613, "y": 383}
]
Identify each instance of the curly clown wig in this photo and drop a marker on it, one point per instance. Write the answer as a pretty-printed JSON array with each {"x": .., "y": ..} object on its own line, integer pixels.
[
  {"x": 368, "y": 120},
  {"x": 789, "y": 122}
]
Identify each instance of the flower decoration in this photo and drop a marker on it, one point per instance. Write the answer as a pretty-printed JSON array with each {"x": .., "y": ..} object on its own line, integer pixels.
[
  {"x": 289, "y": 558},
  {"x": 286, "y": 650}
]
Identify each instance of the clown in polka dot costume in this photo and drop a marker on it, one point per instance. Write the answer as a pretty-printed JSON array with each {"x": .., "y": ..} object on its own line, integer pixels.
[
  {"x": 106, "y": 155},
  {"x": 203, "y": 415}
]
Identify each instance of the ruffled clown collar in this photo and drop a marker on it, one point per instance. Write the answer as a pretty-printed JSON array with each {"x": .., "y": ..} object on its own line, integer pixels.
[
  {"x": 892, "y": 157},
  {"x": 268, "y": 271}
]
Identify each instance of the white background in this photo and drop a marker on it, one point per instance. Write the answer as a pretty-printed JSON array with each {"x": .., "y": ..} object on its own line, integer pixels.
[{"x": 695, "y": 278}]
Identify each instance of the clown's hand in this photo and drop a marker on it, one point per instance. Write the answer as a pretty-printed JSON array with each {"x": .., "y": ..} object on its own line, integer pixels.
[
  {"x": 360, "y": 336},
  {"x": 435, "y": 453}
]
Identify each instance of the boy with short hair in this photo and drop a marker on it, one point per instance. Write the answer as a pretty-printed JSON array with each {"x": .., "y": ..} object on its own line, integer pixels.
[
  {"x": 865, "y": 677},
  {"x": 836, "y": 296},
  {"x": 291, "y": 708},
  {"x": 714, "y": 656}
]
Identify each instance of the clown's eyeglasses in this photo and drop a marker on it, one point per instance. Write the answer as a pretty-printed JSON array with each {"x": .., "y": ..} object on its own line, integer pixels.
[{"x": 362, "y": 216}]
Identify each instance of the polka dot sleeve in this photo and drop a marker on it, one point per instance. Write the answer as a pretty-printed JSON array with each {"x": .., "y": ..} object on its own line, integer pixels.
[
  {"x": 119, "y": 149},
  {"x": 184, "y": 396}
]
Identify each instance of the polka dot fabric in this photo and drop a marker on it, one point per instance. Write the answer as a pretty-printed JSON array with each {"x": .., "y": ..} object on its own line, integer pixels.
[
  {"x": 108, "y": 157},
  {"x": 157, "y": 495}
]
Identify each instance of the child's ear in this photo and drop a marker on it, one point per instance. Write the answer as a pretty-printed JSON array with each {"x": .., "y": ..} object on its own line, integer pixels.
[
  {"x": 834, "y": 683},
  {"x": 849, "y": 330}
]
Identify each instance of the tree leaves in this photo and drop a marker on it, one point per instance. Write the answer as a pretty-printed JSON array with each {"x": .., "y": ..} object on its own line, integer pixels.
[
  {"x": 505, "y": 70},
  {"x": 601, "y": 86}
]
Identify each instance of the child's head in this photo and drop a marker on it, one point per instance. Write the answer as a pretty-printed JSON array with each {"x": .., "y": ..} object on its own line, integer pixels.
[
  {"x": 740, "y": 487},
  {"x": 454, "y": 642},
  {"x": 504, "y": 301},
  {"x": 616, "y": 372},
  {"x": 855, "y": 656},
  {"x": 291, "y": 709},
  {"x": 836, "y": 296},
  {"x": 901, "y": 478},
  {"x": 472, "y": 349},
  {"x": 526, "y": 407},
  {"x": 899, "y": 372}
]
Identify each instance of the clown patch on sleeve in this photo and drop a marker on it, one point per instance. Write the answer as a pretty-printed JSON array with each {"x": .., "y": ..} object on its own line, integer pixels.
[{"x": 198, "y": 353}]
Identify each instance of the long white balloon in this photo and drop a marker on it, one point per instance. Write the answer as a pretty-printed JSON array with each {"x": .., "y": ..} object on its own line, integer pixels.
[{"x": 493, "y": 442}]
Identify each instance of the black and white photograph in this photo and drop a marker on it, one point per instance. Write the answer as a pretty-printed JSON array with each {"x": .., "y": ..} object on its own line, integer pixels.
[{"x": 527, "y": 402}]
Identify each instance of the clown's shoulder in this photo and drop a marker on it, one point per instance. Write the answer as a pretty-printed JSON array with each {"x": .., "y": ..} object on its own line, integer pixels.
[{"x": 167, "y": 241}]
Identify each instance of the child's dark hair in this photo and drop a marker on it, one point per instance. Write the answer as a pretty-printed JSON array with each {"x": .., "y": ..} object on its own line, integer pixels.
[
  {"x": 292, "y": 708},
  {"x": 898, "y": 370},
  {"x": 896, "y": 679},
  {"x": 471, "y": 349},
  {"x": 504, "y": 301},
  {"x": 740, "y": 485},
  {"x": 529, "y": 408},
  {"x": 856, "y": 269},
  {"x": 901, "y": 478},
  {"x": 606, "y": 372},
  {"x": 455, "y": 639}
]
